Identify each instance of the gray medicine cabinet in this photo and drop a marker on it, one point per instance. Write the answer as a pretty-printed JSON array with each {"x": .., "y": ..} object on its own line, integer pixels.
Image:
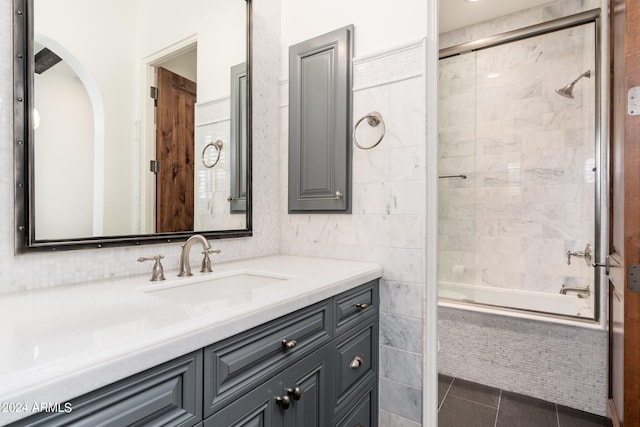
[{"x": 320, "y": 110}]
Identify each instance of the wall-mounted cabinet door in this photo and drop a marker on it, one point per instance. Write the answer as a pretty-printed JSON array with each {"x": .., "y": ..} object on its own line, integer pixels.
[{"x": 320, "y": 80}]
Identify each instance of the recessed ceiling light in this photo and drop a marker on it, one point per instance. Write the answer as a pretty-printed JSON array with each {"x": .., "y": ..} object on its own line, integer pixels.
[
  {"x": 472, "y": 1},
  {"x": 493, "y": 75}
]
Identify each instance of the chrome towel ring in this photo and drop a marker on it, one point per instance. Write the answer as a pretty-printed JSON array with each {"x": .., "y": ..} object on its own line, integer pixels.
[
  {"x": 374, "y": 119},
  {"x": 218, "y": 146}
]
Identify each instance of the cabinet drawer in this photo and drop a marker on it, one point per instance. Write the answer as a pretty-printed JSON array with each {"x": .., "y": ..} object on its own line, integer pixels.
[
  {"x": 356, "y": 357},
  {"x": 170, "y": 394},
  {"x": 239, "y": 363},
  {"x": 353, "y": 306},
  {"x": 363, "y": 413}
]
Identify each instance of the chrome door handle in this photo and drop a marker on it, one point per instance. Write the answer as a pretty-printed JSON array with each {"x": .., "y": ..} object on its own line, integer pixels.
[
  {"x": 356, "y": 362},
  {"x": 289, "y": 343},
  {"x": 283, "y": 401},
  {"x": 295, "y": 392}
]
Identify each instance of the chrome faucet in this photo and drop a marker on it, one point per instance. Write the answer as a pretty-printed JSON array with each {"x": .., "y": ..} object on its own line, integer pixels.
[{"x": 185, "y": 268}]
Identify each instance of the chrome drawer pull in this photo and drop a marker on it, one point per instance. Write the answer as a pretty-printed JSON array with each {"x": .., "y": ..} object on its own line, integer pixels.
[
  {"x": 362, "y": 305},
  {"x": 356, "y": 362},
  {"x": 295, "y": 392},
  {"x": 283, "y": 401},
  {"x": 289, "y": 343}
]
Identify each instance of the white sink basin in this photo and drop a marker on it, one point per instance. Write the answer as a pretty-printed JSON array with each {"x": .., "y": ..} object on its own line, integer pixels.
[{"x": 199, "y": 289}]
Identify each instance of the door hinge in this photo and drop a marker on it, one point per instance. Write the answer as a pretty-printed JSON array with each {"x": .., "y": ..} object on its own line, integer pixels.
[
  {"x": 154, "y": 93},
  {"x": 633, "y": 277},
  {"x": 154, "y": 166}
]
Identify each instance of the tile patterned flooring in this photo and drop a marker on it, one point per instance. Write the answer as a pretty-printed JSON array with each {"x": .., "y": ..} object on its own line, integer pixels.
[{"x": 465, "y": 404}]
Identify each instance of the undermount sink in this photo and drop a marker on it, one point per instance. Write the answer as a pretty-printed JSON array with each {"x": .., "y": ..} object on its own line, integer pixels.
[{"x": 206, "y": 288}]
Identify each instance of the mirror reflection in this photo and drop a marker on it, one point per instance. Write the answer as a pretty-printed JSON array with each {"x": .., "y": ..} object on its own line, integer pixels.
[{"x": 139, "y": 117}]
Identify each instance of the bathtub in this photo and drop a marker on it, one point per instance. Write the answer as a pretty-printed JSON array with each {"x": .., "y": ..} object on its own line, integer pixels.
[{"x": 516, "y": 303}]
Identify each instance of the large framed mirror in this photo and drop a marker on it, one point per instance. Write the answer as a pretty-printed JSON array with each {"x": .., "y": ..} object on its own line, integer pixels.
[{"x": 132, "y": 121}]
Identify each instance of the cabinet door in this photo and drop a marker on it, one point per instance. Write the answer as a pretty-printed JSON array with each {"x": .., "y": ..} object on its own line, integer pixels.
[
  {"x": 320, "y": 123},
  {"x": 169, "y": 394},
  {"x": 257, "y": 408},
  {"x": 307, "y": 383}
]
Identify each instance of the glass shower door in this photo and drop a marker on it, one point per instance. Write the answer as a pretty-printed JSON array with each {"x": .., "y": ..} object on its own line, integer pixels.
[{"x": 519, "y": 230}]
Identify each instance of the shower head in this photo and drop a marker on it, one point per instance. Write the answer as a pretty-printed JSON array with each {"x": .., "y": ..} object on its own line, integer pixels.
[{"x": 567, "y": 91}]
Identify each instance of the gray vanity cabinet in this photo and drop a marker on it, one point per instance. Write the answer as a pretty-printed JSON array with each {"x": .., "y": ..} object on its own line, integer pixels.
[
  {"x": 168, "y": 394},
  {"x": 320, "y": 74},
  {"x": 298, "y": 397},
  {"x": 315, "y": 367}
]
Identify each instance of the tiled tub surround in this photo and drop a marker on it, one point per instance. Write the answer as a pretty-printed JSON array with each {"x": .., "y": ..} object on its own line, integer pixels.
[
  {"x": 387, "y": 223},
  {"x": 529, "y": 158},
  {"x": 558, "y": 363},
  {"x": 62, "y": 342},
  {"x": 35, "y": 271}
]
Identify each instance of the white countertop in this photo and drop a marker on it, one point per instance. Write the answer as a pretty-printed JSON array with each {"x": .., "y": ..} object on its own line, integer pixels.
[{"x": 59, "y": 343}]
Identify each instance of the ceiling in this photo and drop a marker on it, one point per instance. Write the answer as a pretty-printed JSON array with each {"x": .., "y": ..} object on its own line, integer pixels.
[{"x": 461, "y": 13}]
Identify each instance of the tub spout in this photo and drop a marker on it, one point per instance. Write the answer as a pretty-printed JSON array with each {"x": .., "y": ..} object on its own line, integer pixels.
[{"x": 582, "y": 292}]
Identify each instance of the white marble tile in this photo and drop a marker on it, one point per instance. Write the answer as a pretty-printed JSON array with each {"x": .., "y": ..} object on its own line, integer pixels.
[
  {"x": 401, "y": 366},
  {"x": 401, "y": 400}
]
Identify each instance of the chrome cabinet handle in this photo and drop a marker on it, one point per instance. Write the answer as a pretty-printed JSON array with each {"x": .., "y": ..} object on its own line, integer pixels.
[
  {"x": 339, "y": 195},
  {"x": 283, "y": 401},
  {"x": 295, "y": 392},
  {"x": 362, "y": 306},
  {"x": 289, "y": 343},
  {"x": 356, "y": 362}
]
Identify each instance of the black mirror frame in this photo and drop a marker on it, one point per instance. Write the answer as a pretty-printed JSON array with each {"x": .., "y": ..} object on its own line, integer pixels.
[{"x": 23, "y": 82}]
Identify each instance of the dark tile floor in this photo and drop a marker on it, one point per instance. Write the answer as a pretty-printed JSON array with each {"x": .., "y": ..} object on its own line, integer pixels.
[{"x": 465, "y": 404}]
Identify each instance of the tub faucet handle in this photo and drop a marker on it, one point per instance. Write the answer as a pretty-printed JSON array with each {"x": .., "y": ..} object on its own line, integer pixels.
[{"x": 586, "y": 255}]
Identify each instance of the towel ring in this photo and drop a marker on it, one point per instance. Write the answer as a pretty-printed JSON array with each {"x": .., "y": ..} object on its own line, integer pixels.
[
  {"x": 374, "y": 119},
  {"x": 218, "y": 146}
]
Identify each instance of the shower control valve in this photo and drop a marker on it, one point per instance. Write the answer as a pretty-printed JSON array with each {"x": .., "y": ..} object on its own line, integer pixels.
[{"x": 586, "y": 255}]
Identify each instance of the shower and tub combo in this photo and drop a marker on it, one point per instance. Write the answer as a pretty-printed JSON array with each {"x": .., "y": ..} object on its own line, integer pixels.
[
  {"x": 520, "y": 172},
  {"x": 521, "y": 213}
]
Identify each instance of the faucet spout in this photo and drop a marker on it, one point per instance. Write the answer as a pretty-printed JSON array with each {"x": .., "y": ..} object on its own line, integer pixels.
[{"x": 185, "y": 268}]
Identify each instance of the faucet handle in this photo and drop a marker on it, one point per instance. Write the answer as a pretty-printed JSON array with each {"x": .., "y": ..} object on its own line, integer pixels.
[
  {"x": 157, "y": 273},
  {"x": 206, "y": 261}
]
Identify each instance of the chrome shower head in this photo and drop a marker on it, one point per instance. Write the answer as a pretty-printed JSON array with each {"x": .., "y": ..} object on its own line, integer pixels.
[{"x": 567, "y": 91}]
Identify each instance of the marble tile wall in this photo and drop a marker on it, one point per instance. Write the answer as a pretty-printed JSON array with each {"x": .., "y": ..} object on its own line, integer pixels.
[
  {"x": 528, "y": 155},
  {"x": 387, "y": 223},
  {"x": 536, "y": 15},
  {"x": 40, "y": 270}
]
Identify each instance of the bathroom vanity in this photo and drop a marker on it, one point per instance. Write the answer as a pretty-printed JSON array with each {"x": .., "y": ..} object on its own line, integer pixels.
[{"x": 278, "y": 340}]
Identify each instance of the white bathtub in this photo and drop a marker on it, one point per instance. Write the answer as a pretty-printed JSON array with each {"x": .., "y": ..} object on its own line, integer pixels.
[{"x": 506, "y": 301}]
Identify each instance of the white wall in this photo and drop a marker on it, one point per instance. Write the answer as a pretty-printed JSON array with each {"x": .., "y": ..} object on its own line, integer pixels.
[
  {"x": 110, "y": 62},
  {"x": 40, "y": 270},
  {"x": 64, "y": 181},
  {"x": 220, "y": 30},
  {"x": 380, "y": 24}
]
